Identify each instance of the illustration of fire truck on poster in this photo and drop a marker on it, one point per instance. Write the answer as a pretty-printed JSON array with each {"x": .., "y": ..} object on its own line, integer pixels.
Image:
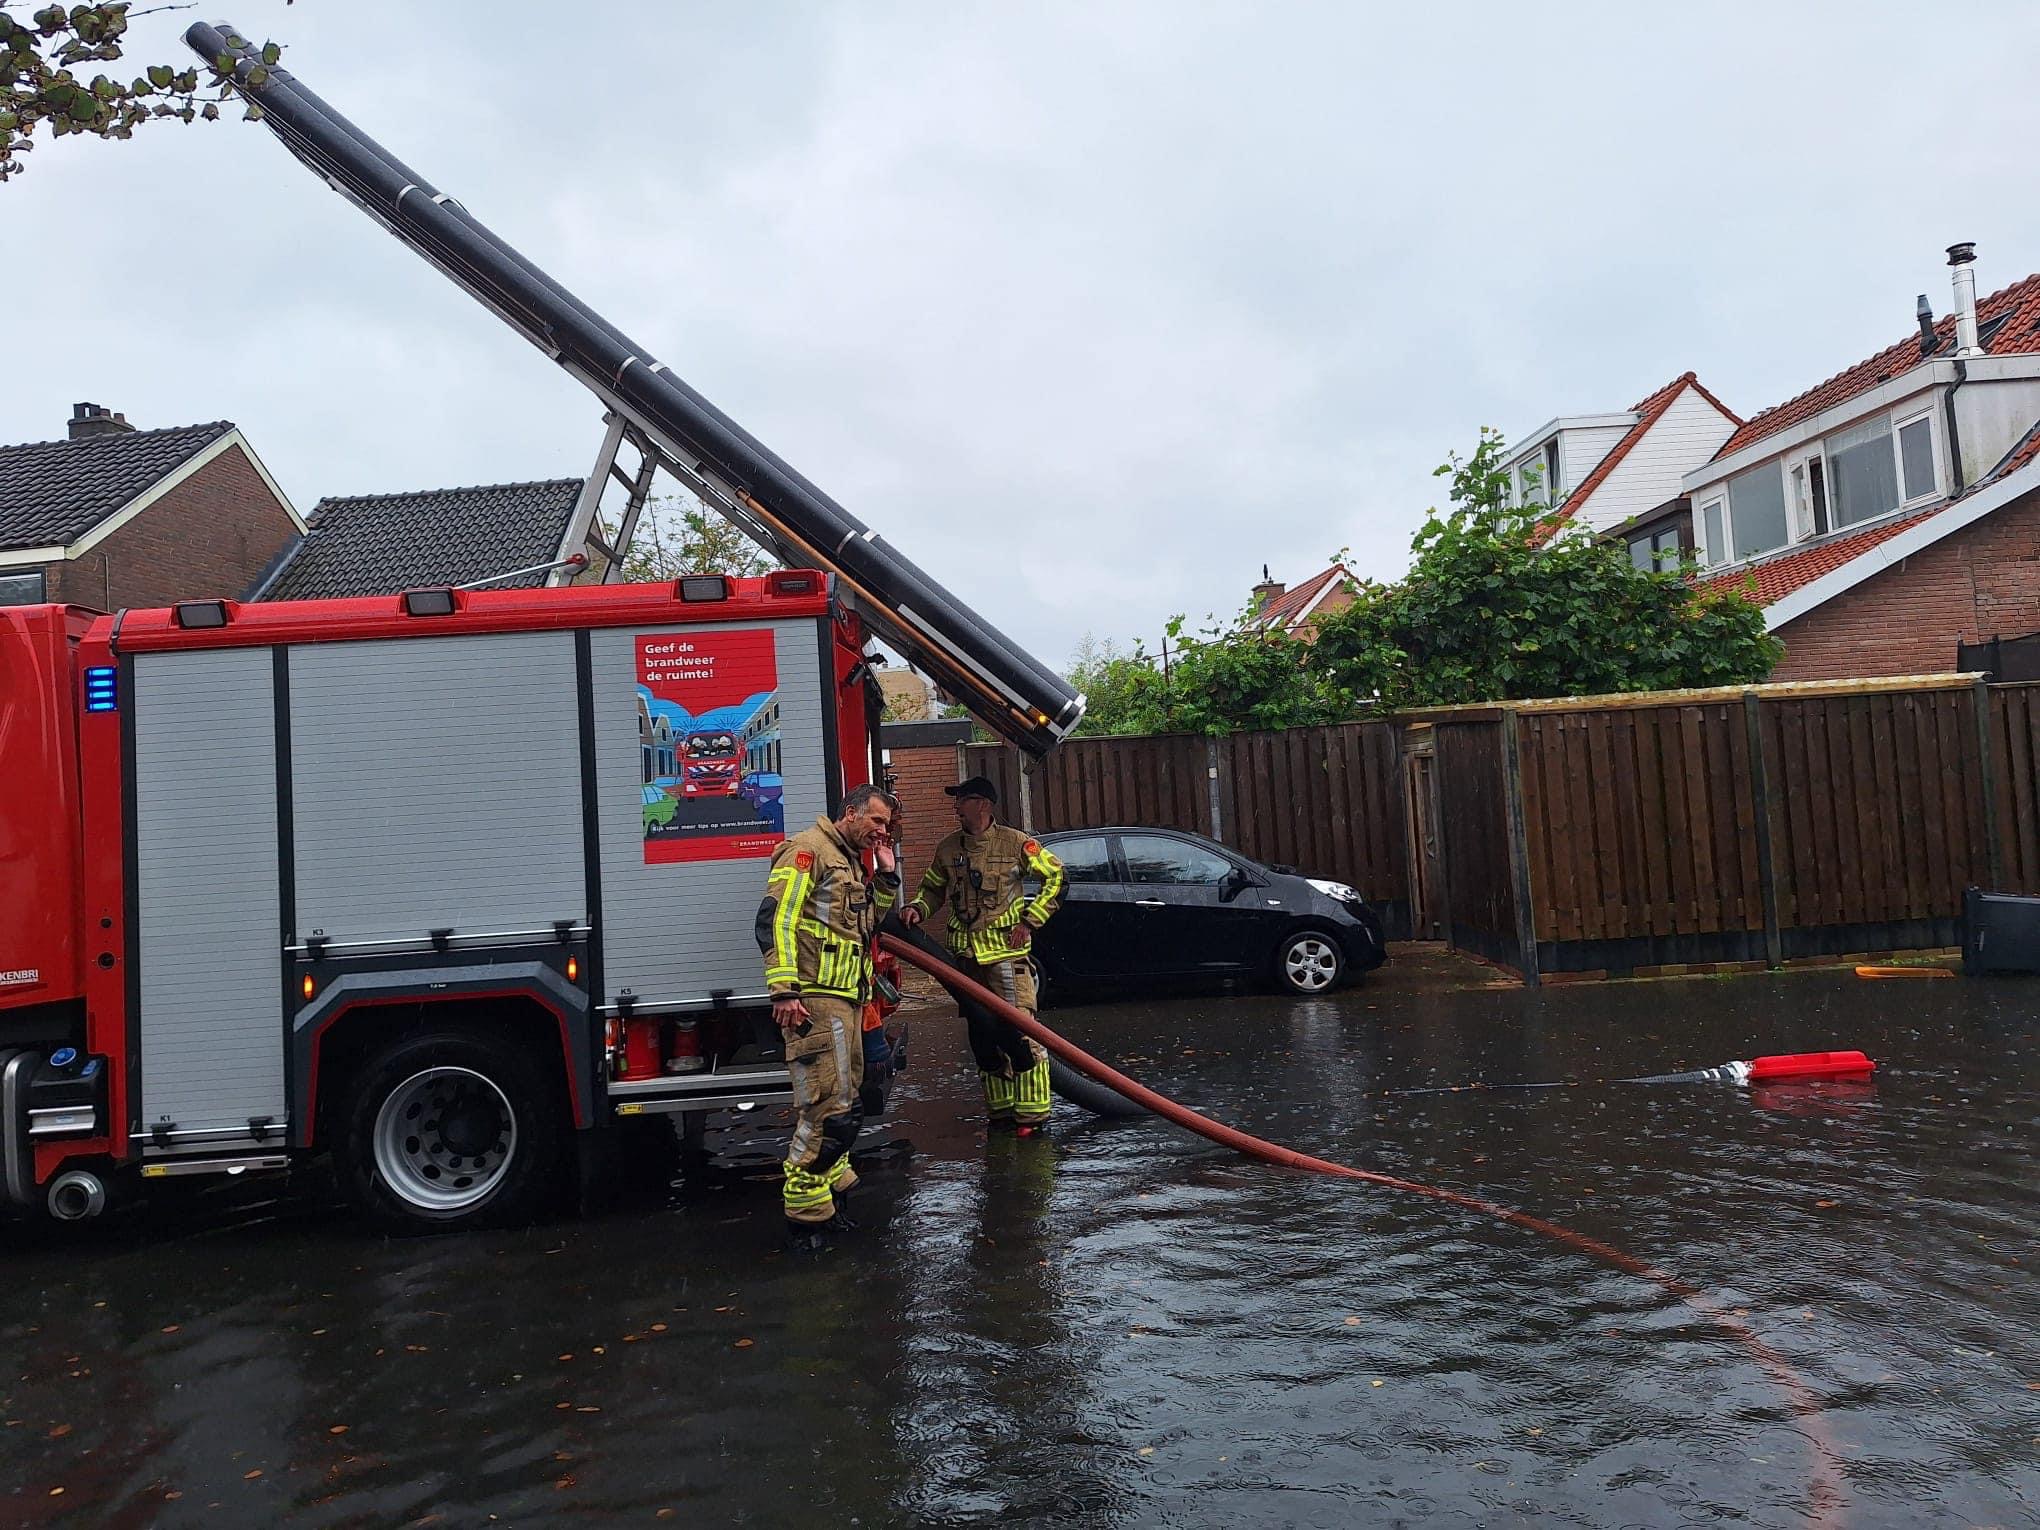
[{"x": 699, "y": 696}]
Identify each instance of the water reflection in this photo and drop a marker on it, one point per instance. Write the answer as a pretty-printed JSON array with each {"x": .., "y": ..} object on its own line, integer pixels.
[{"x": 1126, "y": 1325}]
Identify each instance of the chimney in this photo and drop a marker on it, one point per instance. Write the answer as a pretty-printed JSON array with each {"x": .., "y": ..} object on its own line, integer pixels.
[
  {"x": 1961, "y": 260},
  {"x": 96, "y": 420},
  {"x": 1266, "y": 590}
]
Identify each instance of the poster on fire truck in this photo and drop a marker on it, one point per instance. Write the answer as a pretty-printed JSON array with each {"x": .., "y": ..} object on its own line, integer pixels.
[{"x": 708, "y": 737}]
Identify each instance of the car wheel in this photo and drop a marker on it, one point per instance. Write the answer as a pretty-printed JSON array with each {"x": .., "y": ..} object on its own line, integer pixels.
[
  {"x": 449, "y": 1130},
  {"x": 1309, "y": 963}
]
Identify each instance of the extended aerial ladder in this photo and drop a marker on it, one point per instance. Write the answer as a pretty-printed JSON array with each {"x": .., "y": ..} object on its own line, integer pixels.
[{"x": 671, "y": 424}]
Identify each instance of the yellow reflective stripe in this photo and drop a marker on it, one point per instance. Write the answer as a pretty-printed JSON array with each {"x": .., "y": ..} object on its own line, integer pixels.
[
  {"x": 804, "y": 1189},
  {"x": 1051, "y": 872},
  {"x": 929, "y": 895},
  {"x": 1032, "y": 1096},
  {"x": 785, "y": 963}
]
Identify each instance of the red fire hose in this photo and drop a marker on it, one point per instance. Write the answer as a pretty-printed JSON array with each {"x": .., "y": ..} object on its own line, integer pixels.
[{"x": 1825, "y": 1498}]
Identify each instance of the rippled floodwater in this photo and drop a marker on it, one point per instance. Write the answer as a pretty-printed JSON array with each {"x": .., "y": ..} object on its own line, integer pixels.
[{"x": 1125, "y": 1325}]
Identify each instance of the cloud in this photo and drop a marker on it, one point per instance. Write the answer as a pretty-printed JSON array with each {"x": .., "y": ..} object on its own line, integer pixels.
[{"x": 1090, "y": 310}]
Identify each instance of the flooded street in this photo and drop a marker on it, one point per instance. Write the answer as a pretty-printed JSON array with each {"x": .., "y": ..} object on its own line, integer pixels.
[{"x": 1127, "y": 1325}]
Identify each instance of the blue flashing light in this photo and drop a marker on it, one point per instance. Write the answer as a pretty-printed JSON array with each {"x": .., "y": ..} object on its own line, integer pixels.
[{"x": 102, "y": 690}]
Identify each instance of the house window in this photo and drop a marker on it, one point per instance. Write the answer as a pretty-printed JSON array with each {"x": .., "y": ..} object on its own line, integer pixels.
[
  {"x": 1551, "y": 471},
  {"x": 1714, "y": 548},
  {"x": 1756, "y": 510},
  {"x": 22, "y": 589},
  {"x": 1809, "y": 496},
  {"x": 1658, "y": 549},
  {"x": 1865, "y": 471},
  {"x": 1916, "y": 457}
]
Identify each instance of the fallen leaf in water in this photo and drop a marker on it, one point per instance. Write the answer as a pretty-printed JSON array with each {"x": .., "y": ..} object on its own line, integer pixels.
[
  {"x": 173, "y": 1328},
  {"x": 563, "y": 1484},
  {"x": 598, "y": 1350},
  {"x": 172, "y": 1496},
  {"x": 658, "y": 1328},
  {"x": 1375, "y": 1382},
  {"x": 667, "y": 1514},
  {"x": 562, "y": 1407},
  {"x": 1535, "y": 1429},
  {"x": 337, "y": 1429},
  {"x": 1824, "y": 1205},
  {"x": 251, "y": 1476},
  {"x": 1147, "y": 1450},
  {"x": 566, "y": 1357},
  {"x": 586, "y": 1408},
  {"x": 56, "y": 1492},
  {"x": 60, "y": 1431},
  {"x": 1352, "y": 1322},
  {"x": 742, "y": 1344}
]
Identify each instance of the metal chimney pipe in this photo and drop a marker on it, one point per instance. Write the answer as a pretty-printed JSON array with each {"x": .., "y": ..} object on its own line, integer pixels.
[{"x": 1961, "y": 260}]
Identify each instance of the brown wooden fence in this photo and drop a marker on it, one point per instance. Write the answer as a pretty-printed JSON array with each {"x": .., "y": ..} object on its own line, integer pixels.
[
  {"x": 1615, "y": 833},
  {"x": 1325, "y": 800}
]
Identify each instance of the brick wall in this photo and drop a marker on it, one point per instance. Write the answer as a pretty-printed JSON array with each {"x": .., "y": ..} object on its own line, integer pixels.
[
  {"x": 1980, "y": 581},
  {"x": 212, "y": 535},
  {"x": 920, "y": 775}
]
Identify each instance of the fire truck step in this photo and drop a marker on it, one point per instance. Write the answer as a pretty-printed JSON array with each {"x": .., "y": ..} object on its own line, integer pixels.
[{"x": 167, "y": 1168}]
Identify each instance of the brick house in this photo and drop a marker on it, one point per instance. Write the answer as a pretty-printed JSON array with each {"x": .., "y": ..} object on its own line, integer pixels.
[
  {"x": 1276, "y": 607},
  {"x": 112, "y": 516},
  {"x": 922, "y": 758},
  {"x": 1892, "y": 512}
]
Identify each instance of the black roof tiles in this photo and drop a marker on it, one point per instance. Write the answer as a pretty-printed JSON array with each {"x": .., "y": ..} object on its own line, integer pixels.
[{"x": 53, "y": 492}]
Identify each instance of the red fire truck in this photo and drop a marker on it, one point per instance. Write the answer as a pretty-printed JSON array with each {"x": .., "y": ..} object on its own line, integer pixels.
[{"x": 387, "y": 878}]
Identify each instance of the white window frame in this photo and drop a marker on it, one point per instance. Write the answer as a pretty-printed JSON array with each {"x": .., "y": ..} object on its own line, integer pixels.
[
  {"x": 1799, "y": 523},
  {"x": 1552, "y": 461},
  {"x": 1898, "y": 423},
  {"x": 1710, "y": 555}
]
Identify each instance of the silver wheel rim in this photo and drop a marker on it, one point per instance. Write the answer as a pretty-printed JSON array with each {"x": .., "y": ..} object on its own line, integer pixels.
[
  {"x": 444, "y": 1139},
  {"x": 1310, "y": 964}
]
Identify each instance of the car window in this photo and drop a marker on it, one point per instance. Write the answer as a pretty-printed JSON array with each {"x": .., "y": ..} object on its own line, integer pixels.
[
  {"x": 1085, "y": 860},
  {"x": 1150, "y": 858}
]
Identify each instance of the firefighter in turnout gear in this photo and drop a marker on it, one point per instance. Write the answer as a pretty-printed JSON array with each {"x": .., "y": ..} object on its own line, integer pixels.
[
  {"x": 815, "y": 928},
  {"x": 977, "y": 880}
]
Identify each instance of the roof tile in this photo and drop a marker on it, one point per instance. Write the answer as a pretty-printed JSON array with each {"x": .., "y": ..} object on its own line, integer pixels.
[
  {"x": 377, "y": 544},
  {"x": 1283, "y": 610},
  {"x": 1771, "y": 580},
  {"x": 53, "y": 492},
  {"x": 2018, "y": 305}
]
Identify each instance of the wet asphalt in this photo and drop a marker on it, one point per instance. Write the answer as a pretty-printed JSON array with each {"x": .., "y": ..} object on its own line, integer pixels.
[{"x": 1124, "y": 1325}]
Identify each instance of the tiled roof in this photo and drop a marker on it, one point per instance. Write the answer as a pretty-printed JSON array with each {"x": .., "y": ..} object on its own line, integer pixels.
[
  {"x": 1651, "y": 408},
  {"x": 1285, "y": 608},
  {"x": 1771, "y": 580},
  {"x": 377, "y": 544},
  {"x": 2017, "y": 305},
  {"x": 53, "y": 492}
]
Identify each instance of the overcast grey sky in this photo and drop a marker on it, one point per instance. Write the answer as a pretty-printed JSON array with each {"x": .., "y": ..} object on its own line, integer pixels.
[{"x": 1092, "y": 309}]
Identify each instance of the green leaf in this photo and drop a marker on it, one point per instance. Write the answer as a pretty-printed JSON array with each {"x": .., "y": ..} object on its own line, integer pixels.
[
  {"x": 160, "y": 76},
  {"x": 271, "y": 53}
]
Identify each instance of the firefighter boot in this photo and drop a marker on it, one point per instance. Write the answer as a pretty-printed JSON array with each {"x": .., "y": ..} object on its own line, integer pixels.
[{"x": 1032, "y": 1099}]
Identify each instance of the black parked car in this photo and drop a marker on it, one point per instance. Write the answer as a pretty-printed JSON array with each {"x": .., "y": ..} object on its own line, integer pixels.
[{"x": 1163, "y": 904}]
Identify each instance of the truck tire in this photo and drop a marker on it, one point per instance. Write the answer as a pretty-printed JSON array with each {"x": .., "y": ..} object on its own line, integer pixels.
[{"x": 451, "y": 1129}]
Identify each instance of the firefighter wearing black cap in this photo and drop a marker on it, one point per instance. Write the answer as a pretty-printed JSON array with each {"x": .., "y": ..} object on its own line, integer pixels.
[
  {"x": 977, "y": 878},
  {"x": 815, "y": 929}
]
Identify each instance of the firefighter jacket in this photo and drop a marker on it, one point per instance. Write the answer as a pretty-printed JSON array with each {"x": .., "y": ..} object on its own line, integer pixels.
[
  {"x": 819, "y": 915},
  {"x": 978, "y": 881}
]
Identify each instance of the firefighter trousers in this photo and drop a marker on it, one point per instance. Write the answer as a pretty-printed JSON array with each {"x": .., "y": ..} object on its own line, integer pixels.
[
  {"x": 1012, "y": 1093},
  {"x": 827, "y": 1067}
]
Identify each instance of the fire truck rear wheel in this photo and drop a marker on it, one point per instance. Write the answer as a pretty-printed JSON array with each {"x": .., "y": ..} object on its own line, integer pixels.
[{"x": 451, "y": 1129}]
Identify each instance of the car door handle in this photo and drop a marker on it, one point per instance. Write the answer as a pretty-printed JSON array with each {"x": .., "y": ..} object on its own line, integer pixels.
[{"x": 1149, "y": 903}]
